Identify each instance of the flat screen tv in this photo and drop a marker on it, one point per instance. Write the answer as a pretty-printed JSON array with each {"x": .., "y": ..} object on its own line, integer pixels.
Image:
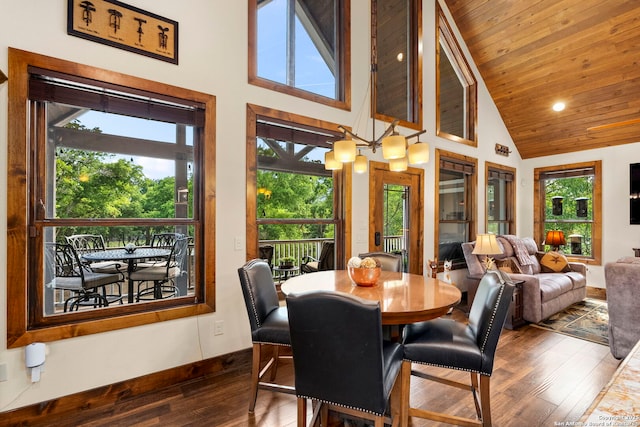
[{"x": 634, "y": 193}]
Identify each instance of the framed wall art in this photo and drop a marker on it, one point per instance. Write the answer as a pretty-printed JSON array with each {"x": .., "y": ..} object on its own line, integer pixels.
[{"x": 126, "y": 27}]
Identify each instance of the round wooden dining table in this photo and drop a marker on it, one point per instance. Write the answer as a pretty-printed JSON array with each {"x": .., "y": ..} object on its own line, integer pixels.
[{"x": 404, "y": 298}]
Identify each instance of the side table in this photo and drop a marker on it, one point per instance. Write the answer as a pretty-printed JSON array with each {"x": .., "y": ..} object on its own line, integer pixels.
[{"x": 515, "y": 319}]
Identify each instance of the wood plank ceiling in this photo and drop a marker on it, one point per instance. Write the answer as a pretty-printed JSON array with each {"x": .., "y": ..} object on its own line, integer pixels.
[{"x": 532, "y": 53}]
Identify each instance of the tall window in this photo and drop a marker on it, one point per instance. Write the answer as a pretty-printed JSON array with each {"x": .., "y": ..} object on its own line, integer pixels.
[
  {"x": 568, "y": 198},
  {"x": 456, "y": 87},
  {"x": 456, "y": 186},
  {"x": 397, "y": 62},
  {"x": 301, "y": 47},
  {"x": 500, "y": 199},
  {"x": 113, "y": 159},
  {"x": 294, "y": 205}
]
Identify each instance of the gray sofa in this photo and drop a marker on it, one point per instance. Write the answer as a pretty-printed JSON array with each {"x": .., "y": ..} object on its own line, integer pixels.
[
  {"x": 622, "y": 279},
  {"x": 544, "y": 293}
]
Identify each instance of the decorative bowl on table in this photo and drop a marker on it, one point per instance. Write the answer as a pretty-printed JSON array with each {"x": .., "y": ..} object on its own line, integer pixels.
[
  {"x": 130, "y": 248},
  {"x": 363, "y": 272}
]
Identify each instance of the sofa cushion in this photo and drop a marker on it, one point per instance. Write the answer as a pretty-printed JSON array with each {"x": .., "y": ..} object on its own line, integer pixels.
[
  {"x": 554, "y": 262},
  {"x": 507, "y": 249},
  {"x": 553, "y": 285},
  {"x": 578, "y": 280}
]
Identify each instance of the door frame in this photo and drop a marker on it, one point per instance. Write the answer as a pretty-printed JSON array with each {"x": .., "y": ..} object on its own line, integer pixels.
[{"x": 379, "y": 174}]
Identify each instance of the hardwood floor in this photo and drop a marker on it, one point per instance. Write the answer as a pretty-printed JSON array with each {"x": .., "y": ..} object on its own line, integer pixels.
[{"x": 540, "y": 378}]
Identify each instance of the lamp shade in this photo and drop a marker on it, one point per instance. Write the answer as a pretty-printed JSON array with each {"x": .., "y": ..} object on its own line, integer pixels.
[
  {"x": 418, "y": 153},
  {"x": 394, "y": 147},
  {"x": 398, "y": 165},
  {"x": 555, "y": 238},
  {"x": 487, "y": 244},
  {"x": 361, "y": 164},
  {"x": 330, "y": 163},
  {"x": 345, "y": 150}
]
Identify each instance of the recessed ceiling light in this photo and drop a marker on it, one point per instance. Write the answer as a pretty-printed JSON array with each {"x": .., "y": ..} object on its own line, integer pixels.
[{"x": 558, "y": 106}]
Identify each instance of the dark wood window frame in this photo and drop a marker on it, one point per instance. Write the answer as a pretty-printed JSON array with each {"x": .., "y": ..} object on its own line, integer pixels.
[
  {"x": 471, "y": 197},
  {"x": 344, "y": 58},
  {"x": 509, "y": 173},
  {"x": 539, "y": 207},
  {"x": 22, "y": 271},
  {"x": 342, "y": 180},
  {"x": 445, "y": 33}
]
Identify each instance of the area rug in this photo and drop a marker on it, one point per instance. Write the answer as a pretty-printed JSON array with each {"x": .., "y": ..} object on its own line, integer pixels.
[{"x": 587, "y": 320}]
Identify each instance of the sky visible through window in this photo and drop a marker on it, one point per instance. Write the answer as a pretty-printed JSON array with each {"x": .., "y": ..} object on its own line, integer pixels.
[
  {"x": 132, "y": 127},
  {"x": 311, "y": 71}
]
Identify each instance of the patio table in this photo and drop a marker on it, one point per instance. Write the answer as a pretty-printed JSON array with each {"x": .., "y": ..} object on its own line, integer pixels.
[{"x": 130, "y": 258}]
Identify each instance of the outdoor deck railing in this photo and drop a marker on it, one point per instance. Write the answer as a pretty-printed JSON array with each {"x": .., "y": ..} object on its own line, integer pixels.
[{"x": 297, "y": 249}]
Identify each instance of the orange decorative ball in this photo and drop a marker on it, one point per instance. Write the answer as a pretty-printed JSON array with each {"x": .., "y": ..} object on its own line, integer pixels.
[{"x": 364, "y": 276}]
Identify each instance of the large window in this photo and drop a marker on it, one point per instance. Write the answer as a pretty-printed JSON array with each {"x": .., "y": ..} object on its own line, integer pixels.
[
  {"x": 396, "y": 58},
  {"x": 568, "y": 198},
  {"x": 456, "y": 88},
  {"x": 301, "y": 47},
  {"x": 500, "y": 199},
  {"x": 456, "y": 186},
  {"x": 294, "y": 205},
  {"x": 120, "y": 159}
]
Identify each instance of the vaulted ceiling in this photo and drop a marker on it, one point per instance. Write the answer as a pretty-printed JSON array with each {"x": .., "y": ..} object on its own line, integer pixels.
[{"x": 532, "y": 53}]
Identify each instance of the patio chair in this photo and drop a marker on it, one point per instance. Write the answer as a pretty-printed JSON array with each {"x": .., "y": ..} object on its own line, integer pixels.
[
  {"x": 324, "y": 262},
  {"x": 163, "y": 274},
  {"x": 88, "y": 243},
  {"x": 160, "y": 241},
  {"x": 87, "y": 288},
  {"x": 266, "y": 253}
]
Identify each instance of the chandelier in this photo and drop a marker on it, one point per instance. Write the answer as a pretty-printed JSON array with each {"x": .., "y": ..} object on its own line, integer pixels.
[{"x": 395, "y": 147}]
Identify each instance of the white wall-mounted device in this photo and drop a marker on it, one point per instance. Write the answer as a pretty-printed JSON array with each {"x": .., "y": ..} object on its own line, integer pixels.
[{"x": 34, "y": 355}]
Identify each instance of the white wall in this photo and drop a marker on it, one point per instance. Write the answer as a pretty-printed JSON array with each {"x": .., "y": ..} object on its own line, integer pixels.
[{"x": 213, "y": 59}]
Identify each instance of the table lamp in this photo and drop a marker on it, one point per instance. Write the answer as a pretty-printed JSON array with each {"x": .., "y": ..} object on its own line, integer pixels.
[
  {"x": 555, "y": 239},
  {"x": 487, "y": 244}
]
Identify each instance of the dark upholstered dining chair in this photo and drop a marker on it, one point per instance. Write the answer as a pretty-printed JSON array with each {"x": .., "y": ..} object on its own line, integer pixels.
[
  {"x": 269, "y": 325},
  {"x": 340, "y": 359},
  {"x": 469, "y": 347},
  {"x": 388, "y": 261}
]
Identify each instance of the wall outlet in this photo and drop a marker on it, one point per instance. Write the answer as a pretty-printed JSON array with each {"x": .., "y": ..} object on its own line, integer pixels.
[
  {"x": 218, "y": 327},
  {"x": 238, "y": 243}
]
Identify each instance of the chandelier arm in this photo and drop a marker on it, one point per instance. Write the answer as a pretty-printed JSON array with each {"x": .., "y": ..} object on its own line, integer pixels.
[
  {"x": 414, "y": 135},
  {"x": 355, "y": 136},
  {"x": 387, "y": 132}
]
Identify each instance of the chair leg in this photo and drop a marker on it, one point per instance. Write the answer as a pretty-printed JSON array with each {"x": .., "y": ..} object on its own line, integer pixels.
[
  {"x": 485, "y": 400},
  {"x": 474, "y": 390},
  {"x": 255, "y": 376},
  {"x": 405, "y": 392},
  {"x": 302, "y": 412},
  {"x": 276, "y": 359}
]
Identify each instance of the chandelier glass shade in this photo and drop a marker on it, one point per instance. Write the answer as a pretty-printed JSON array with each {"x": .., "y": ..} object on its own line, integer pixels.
[
  {"x": 398, "y": 165},
  {"x": 330, "y": 163},
  {"x": 394, "y": 147},
  {"x": 345, "y": 150},
  {"x": 360, "y": 164}
]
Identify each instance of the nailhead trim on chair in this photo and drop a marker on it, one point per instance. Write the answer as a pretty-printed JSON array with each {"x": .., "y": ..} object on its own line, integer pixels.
[
  {"x": 253, "y": 301},
  {"x": 493, "y": 316},
  {"x": 486, "y": 337},
  {"x": 341, "y": 405}
]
